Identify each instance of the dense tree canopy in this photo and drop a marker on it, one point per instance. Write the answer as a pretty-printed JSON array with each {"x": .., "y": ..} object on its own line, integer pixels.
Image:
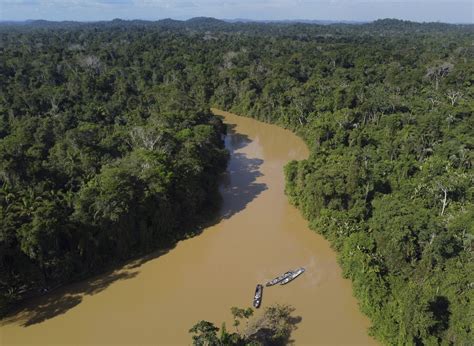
[
  {"x": 106, "y": 141},
  {"x": 103, "y": 155}
]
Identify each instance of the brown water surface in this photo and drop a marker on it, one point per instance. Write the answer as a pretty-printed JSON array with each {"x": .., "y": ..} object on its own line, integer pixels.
[{"x": 157, "y": 299}]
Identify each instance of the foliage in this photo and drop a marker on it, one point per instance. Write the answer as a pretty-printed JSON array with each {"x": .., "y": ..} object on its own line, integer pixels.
[
  {"x": 100, "y": 160},
  {"x": 273, "y": 327},
  {"x": 389, "y": 176},
  {"x": 385, "y": 107}
]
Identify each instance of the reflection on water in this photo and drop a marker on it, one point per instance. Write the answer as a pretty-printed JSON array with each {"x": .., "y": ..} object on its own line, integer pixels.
[{"x": 258, "y": 236}]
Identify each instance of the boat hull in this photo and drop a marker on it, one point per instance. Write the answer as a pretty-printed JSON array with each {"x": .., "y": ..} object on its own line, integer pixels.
[
  {"x": 278, "y": 279},
  {"x": 295, "y": 274},
  {"x": 257, "y": 298}
]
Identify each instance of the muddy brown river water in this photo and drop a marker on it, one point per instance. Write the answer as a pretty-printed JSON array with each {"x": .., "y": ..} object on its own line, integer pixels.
[{"x": 155, "y": 300}]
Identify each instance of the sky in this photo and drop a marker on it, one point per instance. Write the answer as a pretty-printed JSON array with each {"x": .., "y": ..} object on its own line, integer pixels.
[{"x": 449, "y": 11}]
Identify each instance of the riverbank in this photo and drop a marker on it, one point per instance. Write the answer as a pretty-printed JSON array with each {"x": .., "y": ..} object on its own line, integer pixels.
[{"x": 259, "y": 235}]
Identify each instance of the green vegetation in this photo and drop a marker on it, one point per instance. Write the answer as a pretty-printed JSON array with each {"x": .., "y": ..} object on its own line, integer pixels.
[
  {"x": 98, "y": 160},
  {"x": 386, "y": 109},
  {"x": 389, "y": 122},
  {"x": 273, "y": 327}
]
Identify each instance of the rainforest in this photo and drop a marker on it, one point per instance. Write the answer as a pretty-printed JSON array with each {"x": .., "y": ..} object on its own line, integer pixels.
[{"x": 109, "y": 151}]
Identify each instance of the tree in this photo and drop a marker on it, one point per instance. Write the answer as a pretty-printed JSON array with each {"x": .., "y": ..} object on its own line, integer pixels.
[
  {"x": 206, "y": 334},
  {"x": 273, "y": 328}
]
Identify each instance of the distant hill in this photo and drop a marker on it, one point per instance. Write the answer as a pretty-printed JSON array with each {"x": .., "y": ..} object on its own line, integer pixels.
[
  {"x": 247, "y": 25},
  {"x": 205, "y": 20},
  {"x": 293, "y": 21}
]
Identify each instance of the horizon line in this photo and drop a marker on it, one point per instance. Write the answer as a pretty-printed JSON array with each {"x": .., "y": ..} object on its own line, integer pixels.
[{"x": 240, "y": 20}]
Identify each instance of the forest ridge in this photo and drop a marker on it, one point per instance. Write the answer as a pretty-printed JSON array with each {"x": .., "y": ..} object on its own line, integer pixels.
[{"x": 107, "y": 142}]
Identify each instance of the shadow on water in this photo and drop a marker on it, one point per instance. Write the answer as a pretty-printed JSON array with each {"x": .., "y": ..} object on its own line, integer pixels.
[
  {"x": 238, "y": 184},
  {"x": 293, "y": 321},
  {"x": 238, "y": 188},
  {"x": 275, "y": 330},
  {"x": 234, "y": 140},
  {"x": 40, "y": 309},
  {"x": 61, "y": 300}
]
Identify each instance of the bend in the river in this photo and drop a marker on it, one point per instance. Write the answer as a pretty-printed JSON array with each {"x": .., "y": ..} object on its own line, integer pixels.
[{"x": 260, "y": 235}]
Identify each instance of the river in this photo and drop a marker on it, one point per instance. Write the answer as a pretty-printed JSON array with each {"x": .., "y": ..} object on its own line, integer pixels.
[{"x": 155, "y": 300}]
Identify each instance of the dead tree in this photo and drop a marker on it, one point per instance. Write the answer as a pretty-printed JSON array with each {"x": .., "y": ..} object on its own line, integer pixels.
[
  {"x": 454, "y": 96},
  {"x": 439, "y": 72}
]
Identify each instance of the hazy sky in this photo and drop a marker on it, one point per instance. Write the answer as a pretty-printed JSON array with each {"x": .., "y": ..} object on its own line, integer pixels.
[{"x": 453, "y": 11}]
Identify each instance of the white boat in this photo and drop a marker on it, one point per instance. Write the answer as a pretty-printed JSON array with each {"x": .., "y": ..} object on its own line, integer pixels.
[
  {"x": 279, "y": 279},
  {"x": 293, "y": 276}
]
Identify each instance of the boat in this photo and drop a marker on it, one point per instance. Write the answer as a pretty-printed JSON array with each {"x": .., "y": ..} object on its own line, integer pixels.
[
  {"x": 293, "y": 276},
  {"x": 279, "y": 279},
  {"x": 257, "y": 298}
]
